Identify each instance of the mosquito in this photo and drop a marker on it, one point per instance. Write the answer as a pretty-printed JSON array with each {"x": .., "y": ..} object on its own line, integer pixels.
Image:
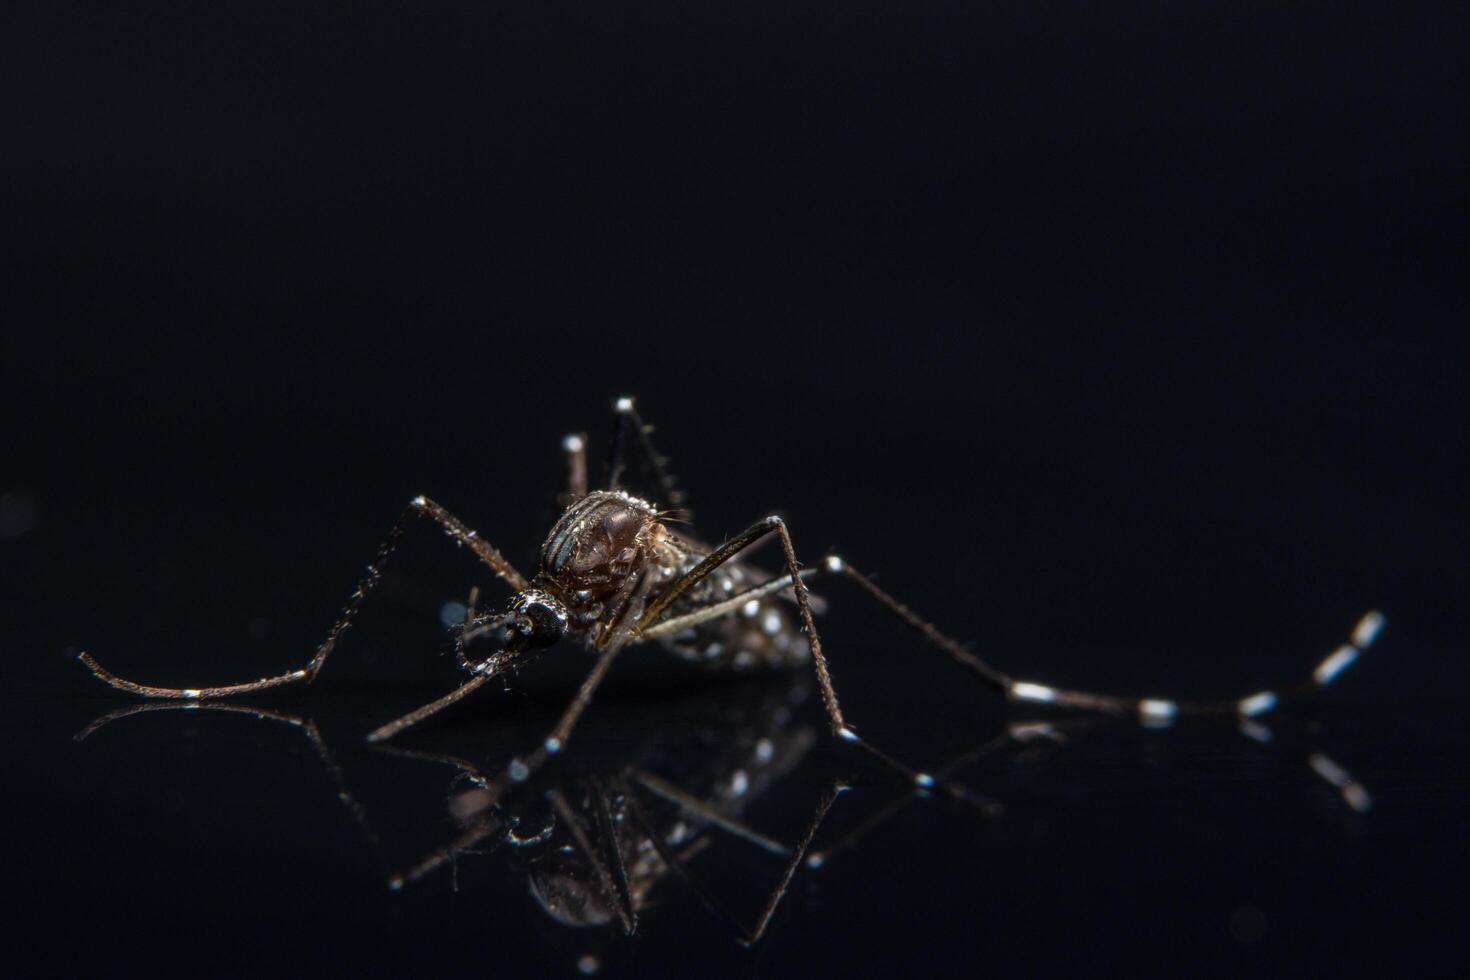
[{"x": 613, "y": 572}]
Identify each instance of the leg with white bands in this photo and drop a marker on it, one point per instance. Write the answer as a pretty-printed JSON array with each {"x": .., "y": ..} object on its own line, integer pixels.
[
  {"x": 1151, "y": 711},
  {"x": 418, "y": 507}
]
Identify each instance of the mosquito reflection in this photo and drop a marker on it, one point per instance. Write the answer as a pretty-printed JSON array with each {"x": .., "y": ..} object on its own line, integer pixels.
[
  {"x": 598, "y": 843},
  {"x": 305, "y": 726},
  {"x": 595, "y": 844},
  {"x": 594, "y": 841}
]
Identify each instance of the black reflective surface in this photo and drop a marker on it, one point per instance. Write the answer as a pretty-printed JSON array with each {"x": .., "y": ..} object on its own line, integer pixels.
[
  {"x": 217, "y": 838},
  {"x": 1123, "y": 347}
]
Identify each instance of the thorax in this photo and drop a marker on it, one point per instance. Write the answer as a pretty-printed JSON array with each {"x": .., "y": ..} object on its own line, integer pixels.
[{"x": 604, "y": 558}]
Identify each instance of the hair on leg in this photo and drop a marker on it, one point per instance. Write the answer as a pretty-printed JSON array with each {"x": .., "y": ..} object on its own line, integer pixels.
[
  {"x": 631, "y": 436},
  {"x": 419, "y": 506}
]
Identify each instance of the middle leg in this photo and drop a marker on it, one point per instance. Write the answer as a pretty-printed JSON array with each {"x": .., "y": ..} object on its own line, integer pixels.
[{"x": 795, "y": 580}]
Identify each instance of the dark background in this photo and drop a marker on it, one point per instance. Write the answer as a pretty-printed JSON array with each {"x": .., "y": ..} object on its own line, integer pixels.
[{"x": 1121, "y": 342}]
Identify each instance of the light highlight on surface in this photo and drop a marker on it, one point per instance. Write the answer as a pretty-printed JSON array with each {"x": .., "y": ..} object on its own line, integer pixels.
[
  {"x": 1368, "y": 629},
  {"x": 1353, "y": 793},
  {"x": 1152, "y": 709},
  {"x": 1340, "y": 660},
  {"x": 1023, "y": 730},
  {"x": 1257, "y": 704},
  {"x": 1027, "y": 691},
  {"x": 1255, "y": 730},
  {"x": 1329, "y": 770}
]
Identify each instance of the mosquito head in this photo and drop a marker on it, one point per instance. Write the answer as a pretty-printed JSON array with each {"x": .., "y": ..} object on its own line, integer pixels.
[{"x": 538, "y": 618}]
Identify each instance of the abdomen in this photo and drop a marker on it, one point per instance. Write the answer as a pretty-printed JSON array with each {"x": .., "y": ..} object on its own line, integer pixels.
[{"x": 764, "y": 634}]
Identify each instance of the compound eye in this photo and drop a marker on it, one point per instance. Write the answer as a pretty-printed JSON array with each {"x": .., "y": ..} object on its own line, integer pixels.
[{"x": 544, "y": 619}]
